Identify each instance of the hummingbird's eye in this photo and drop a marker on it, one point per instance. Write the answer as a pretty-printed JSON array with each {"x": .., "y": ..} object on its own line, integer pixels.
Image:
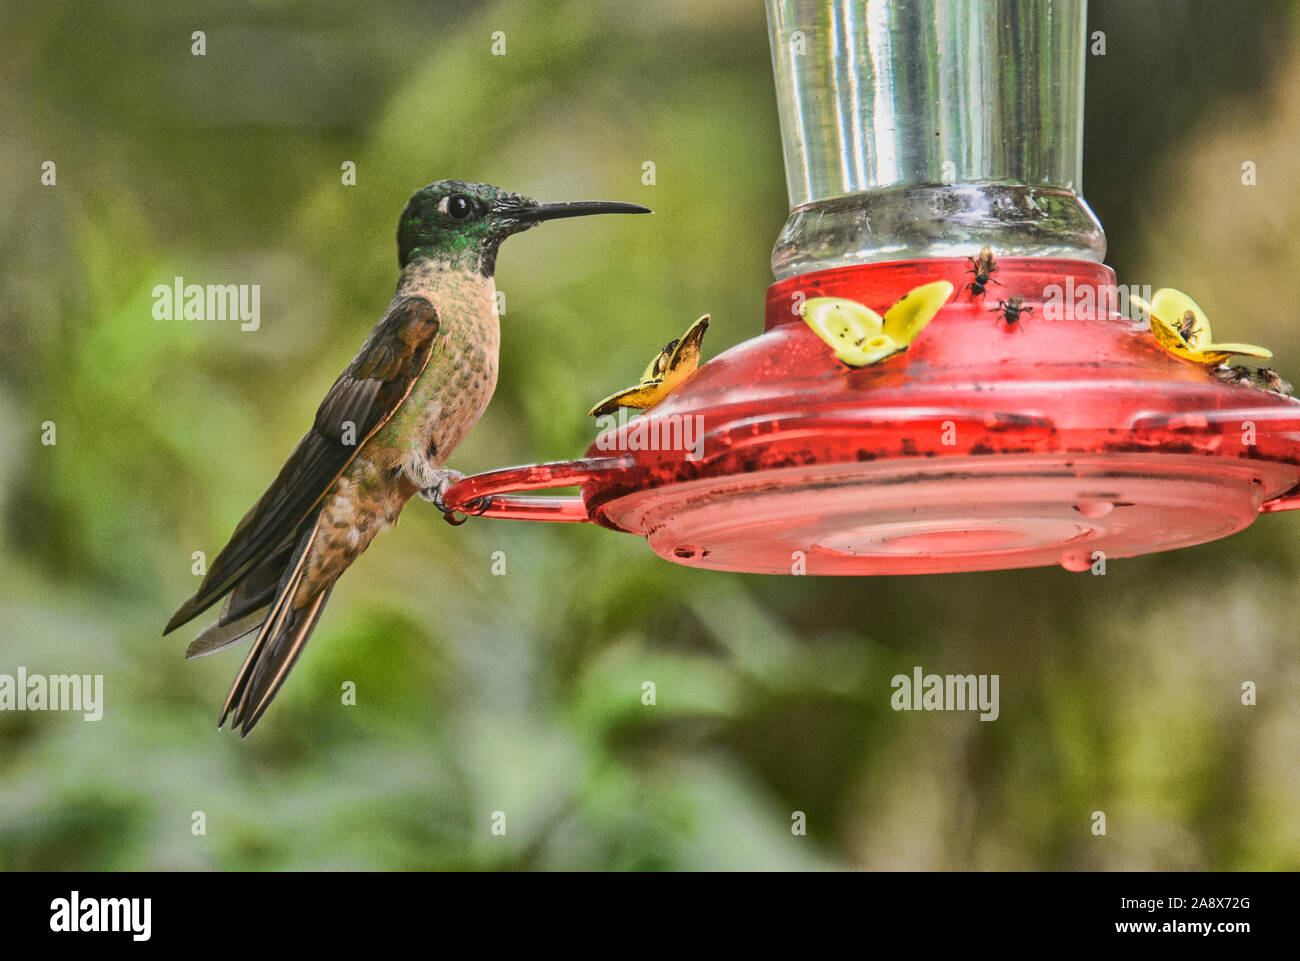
[{"x": 457, "y": 207}]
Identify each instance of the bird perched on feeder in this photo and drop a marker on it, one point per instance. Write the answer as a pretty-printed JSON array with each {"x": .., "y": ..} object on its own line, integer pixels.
[
  {"x": 678, "y": 359},
  {"x": 418, "y": 385}
]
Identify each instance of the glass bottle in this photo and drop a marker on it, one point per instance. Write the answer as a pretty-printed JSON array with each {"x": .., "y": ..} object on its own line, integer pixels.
[{"x": 930, "y": 128}]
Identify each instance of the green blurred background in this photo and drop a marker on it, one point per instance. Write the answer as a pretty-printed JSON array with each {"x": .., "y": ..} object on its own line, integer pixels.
[{"x": 521, "y": 693}]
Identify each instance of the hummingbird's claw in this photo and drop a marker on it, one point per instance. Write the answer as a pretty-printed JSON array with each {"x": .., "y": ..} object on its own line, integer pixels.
[
  {"x": 474, "y": 508},
  {"x": 439, "y": 479},
  {"x": 435, "y": 492}
]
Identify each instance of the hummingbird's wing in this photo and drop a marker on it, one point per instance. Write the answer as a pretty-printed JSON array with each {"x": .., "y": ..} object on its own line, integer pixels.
[{"x": 361, "y": 401}]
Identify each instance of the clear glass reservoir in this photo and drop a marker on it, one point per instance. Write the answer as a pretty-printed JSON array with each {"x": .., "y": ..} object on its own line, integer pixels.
[{"x": 929, "y": 128}]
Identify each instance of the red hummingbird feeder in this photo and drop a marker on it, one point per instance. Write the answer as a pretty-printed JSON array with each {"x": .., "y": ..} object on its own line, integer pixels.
[{"x": 997, "y": 439}]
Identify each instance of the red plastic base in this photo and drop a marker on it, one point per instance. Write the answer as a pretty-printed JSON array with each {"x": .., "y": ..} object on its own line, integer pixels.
[{"x": 984, "y": 446}]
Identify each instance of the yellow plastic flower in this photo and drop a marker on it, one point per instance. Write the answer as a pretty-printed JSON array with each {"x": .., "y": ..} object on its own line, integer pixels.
[
  {"x": 678, "y": 360},
  {"x": 1182, "y": 329},
  {"x": 860, "y": 336}
]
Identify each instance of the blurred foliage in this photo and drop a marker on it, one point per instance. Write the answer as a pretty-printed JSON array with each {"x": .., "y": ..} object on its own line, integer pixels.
[{"x": 521, "y": 693}]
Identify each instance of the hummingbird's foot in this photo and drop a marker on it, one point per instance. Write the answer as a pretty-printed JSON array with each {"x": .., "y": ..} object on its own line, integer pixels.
[
  {"x": 435, "y": 484},
  {"x": 474, "y": 508},
  {"x": 439, "y": 480}
]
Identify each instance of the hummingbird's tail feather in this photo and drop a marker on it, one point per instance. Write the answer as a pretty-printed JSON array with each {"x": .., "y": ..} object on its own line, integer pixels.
[
  {"x": 273, "y": 662},
  {"x": 286, "y": 625},
  {"x": 226, "y": 633},
  {"x": 246, "y": 607},
  {"x": 257, "y": 588}
]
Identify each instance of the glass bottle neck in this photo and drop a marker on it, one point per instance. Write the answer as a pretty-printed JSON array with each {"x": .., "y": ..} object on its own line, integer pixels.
[{"x": 915, "y": 128}]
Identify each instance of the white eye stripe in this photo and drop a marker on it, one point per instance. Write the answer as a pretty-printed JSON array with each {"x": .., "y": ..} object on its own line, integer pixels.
[{"x": 464, "y": 206}]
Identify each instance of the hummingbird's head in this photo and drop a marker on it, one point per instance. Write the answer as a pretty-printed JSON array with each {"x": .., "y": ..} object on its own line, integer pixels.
[{"x": 463, "y": 223}]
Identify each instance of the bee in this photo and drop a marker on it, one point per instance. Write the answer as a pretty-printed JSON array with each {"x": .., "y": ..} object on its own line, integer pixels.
[
  {"x": 1186, "y": 327},
  {"x": 983, "y": 267},
  {"x": 659, "y": 366},
  {"x": 1269, "y": 379},
  {"x": 1264, "y": 378},
  {"x": 1238, "y": 374},
  {"x": 1011, "y": 310}
]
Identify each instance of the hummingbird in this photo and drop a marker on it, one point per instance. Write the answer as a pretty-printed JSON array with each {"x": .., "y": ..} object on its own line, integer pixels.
[{"x": 382, "y": 434}]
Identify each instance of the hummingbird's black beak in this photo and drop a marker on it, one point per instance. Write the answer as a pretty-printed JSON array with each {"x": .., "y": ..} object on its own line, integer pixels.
[
  {"x": 582, "y": 208},
  {"x": 515, "y": 217}
]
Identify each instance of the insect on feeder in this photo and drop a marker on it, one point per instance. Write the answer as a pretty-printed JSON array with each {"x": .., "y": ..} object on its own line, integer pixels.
[{"x": 1008, "y": 433}]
